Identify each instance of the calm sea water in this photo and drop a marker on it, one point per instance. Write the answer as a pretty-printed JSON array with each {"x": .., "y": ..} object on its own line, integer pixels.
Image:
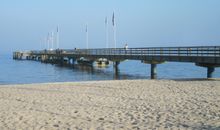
[{"x": 22, "y": 72}]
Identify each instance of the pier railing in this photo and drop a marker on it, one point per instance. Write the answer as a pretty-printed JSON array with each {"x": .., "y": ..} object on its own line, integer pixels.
[{"x": 208, "y": 51}]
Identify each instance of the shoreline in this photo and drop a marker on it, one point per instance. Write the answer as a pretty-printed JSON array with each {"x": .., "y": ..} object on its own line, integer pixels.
[
  {"x": 112, "y": 104},
  {"x": 108, "y": 80}
]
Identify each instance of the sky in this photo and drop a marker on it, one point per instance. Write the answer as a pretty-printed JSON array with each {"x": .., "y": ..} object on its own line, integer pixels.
[{"x": 24, "y": 24}]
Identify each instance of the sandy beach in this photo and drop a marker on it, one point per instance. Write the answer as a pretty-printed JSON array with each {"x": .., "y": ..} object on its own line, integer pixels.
[{"x": 127, "y": 104}]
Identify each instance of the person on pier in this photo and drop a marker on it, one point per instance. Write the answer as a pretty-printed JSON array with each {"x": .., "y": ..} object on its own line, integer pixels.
[{"x": 126, "y": 48}]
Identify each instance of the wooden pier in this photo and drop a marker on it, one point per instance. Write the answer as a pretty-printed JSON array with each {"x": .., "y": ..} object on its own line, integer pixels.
[{"x": 205, "y": 56}]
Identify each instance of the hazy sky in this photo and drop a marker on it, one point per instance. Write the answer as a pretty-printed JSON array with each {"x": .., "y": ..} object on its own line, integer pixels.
[{"x": 24, "y": 24}]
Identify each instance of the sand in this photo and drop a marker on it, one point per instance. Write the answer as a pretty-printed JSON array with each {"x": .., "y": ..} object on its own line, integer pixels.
[{"x": 127, "y": 104}]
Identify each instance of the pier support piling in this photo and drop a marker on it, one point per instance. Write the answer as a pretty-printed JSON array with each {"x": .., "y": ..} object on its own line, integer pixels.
[
  {"x": 69, "y": 61},
  {"x": 61, "y": 62},
  {"x": 153, "y": 68},
  {"x": 115, "y": 64},
  {"x": 210, "y": 71},
  {"x": 210, "y": 68},
  {"x": 153, "y": 71}
]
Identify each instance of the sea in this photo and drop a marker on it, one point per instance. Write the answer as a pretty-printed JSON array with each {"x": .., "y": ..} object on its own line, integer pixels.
[{"x": 28, "y": 72}]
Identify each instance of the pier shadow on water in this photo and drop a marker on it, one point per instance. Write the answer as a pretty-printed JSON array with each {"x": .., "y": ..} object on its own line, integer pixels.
[{"x": 106, "y": 72}]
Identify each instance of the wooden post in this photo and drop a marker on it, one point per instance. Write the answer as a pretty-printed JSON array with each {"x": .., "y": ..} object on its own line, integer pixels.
[
  {"x": 153, "y": 71},
  {"x": 210, "y": 71}
]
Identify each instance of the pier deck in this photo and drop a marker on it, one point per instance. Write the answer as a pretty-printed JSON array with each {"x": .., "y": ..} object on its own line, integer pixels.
[{"x": 205, "y": 56}]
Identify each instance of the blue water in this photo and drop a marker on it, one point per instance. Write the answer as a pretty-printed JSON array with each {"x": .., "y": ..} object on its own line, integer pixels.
[{"x": 22, "y": 71}]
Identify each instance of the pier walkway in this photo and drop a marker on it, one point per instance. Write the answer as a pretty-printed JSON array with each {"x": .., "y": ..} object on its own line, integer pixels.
[{"x": 205, "y": 56}]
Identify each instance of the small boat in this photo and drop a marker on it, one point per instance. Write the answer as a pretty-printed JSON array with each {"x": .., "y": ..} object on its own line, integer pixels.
[
  {"x": 84, "y": 61},
  {"x": 102, "y": 62}
]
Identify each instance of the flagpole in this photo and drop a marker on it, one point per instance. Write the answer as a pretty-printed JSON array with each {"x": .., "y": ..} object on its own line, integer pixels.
[
  {"x": 87, "y": 37},
  {"x": 48, "y": 41},
  {"x": 45, "y": 40},
  {"x": 114, "y": 28},
  {"x": 57, "y": 37},
  {"x": 52, "y": 40},
  {"x": 106, "y": 27},
  {"x": 115, "y": 35}
]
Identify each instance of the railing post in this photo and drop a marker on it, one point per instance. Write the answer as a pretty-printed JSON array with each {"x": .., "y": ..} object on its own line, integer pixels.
[
  {"x": 219, "y": 52},
  {"x": 169, "y": 52},
  {"x": 215, "y": 51},
  {"x": 187, "y": 51},
  {"x": 202, "y": 51},
  {"x": 178, "y": 51}
]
